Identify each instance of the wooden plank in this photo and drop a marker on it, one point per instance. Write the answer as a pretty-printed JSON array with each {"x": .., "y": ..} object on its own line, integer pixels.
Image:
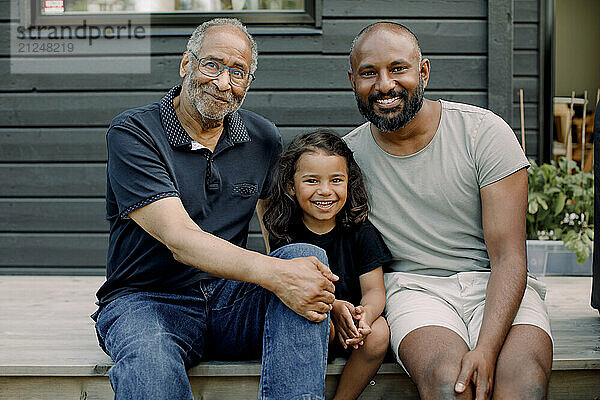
[
  {"x": 56, "y": 350},
  {"x": 284, "y": 108},
  {"x": 53, "y": 250},
  {"x": 564, "y": 385},
  {"x": 53, "y": 271},
  {"x": 173, "y": 40},
  {"x": 531, "y": 116},
  {"x": 55, "y": 336},
  {"x": 274, "y": 72},
  {"x": 53, "y": 144},
  {"x": 290, "y": 132},
  {"x": 388, "y": 9},
  {"x": 530, "y": 86},
  {"x": 526, "y": 36},
  {"x": 574, "y": 385},
  {"x": 527, "y": 11},
  {"x": 82, "y": 144},
  {"x": 500, "y": 53},
  {"x": 67, "y": 250},
  {"x": 526, "y": 63},
  {"x": 53, "y": 215},
  {"x": 53, "y": 180},
  {"x": 435, "y": 36}
]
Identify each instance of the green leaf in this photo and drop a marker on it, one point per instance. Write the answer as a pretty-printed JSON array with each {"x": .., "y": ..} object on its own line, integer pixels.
[
  {"x": 559, "y": 204},
  {"x": 533, "y": 207}
]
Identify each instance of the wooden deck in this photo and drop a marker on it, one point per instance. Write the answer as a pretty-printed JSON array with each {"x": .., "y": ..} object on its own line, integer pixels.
[{"x": 48, "y": 348}]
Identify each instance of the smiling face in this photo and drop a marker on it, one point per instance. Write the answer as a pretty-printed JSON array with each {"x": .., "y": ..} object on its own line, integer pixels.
[
  {"x": 321, "y": 189},
  {"x": 214, "y": 98},
  {"x": 388, "y": 77}
]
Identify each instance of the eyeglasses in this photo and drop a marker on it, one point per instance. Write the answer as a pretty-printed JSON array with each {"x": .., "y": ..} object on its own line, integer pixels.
[{"x": 212, "y": 69}]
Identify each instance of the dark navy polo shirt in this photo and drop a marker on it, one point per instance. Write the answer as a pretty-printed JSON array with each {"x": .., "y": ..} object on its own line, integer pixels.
[{"x": 150, "y": 157}]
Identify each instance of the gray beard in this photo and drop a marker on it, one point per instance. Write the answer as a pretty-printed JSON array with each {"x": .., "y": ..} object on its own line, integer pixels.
[{"x": 203, "y": 105}]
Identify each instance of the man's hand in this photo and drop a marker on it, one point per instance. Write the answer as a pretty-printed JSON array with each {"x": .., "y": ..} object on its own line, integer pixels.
[
  {"x": 477, "y": 366},
  {"x": 305, "y": 285},
  {"x": 342, "y": 316}
]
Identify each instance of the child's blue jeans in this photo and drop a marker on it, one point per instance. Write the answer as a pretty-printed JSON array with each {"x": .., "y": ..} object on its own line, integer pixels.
[{"x": 153, "y": 338}]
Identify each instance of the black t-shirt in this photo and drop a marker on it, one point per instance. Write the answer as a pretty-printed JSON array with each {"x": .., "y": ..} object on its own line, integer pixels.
[{"x": 351, "y": 253}]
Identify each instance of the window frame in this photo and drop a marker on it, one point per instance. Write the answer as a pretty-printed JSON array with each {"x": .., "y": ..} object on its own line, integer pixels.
[{"x": 31, "y": 15}]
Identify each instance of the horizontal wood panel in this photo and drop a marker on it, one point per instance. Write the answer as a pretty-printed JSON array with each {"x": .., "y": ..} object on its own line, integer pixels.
[
  {"x": 266, "y": 43},
  {"x": 89, "y": 180},
  {"x": 67, "y": 250},
  {"x": 61, "y": 215},
  {"x": 53, "y": 271},
  {"x": 526, "y": 11},
  {"x": 526, "y": 63},
  {"x": 526, "y": 37},
  {"x": 174, "y": 40},
  {"x": 530, "y": 86},
  {"x": 53, "y": 250},
  {"x": 283, "y": 108},
  {"x": 274, "y": 72},
  {"x": 53, "y": 215},
  {"x": 389, "y": 9},
  {"x": 82, "y": 144},
  {"x": 531, "y": 116},
  {"x": 435, "y": 37},
  {"x": 53, "y": 144},
  {"x": 51, "y": 180},
  {"x": 288, "y": 133}
]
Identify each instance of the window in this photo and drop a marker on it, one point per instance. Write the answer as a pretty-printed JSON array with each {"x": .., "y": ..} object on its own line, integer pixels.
[{"x": 172, "y": 12}]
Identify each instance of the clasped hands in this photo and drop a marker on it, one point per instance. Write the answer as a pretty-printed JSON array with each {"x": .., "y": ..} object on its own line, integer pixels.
[{"x": 349, "y": 333}]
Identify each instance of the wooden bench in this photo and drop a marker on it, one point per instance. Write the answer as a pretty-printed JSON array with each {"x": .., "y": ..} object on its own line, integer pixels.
[{"x": 48, "y": 348}]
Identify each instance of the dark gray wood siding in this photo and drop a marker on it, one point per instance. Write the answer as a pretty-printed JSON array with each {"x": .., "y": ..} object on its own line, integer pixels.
[{"x": 52, "y": 127}]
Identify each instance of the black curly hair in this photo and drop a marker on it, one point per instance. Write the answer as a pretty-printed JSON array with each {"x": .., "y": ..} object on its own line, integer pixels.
[{"x": 283, "y": 210}]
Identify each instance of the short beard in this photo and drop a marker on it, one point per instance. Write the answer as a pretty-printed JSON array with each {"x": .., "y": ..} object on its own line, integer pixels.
[
  {"x": 410, "y": 108},
  {"x": 204, "y": 105}
]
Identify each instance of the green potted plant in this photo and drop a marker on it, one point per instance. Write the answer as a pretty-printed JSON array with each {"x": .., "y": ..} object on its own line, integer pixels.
[{"x": 560, "y": 216}]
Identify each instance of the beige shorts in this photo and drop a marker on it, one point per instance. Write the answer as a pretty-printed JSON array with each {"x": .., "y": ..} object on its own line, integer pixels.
[{"x": 455, "y": 302}]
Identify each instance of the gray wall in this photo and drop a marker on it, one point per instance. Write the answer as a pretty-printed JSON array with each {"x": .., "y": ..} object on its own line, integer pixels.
[{"x": 52, "y": 151}]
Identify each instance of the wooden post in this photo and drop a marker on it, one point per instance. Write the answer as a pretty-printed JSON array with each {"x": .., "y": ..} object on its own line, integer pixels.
[
  {"x": 522, "y": 120},
  {"x": 569, "y": 148},
  {"x": 583, "y": 128}
]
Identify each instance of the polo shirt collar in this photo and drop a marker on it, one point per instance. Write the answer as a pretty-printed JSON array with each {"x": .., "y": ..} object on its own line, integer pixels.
[{"x": 177, "y": 136}]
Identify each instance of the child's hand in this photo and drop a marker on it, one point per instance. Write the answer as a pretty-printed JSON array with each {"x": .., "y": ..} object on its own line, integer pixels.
[
  {"x": 364, "y": 329},
  {"x": 343, "y": 321}
]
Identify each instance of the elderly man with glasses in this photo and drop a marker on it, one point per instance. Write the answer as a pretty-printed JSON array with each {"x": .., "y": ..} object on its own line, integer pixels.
[{"x": 185, "y": 175}]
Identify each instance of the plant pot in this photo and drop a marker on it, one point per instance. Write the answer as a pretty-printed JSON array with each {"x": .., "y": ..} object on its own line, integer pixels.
[{"x": 551, "y": 257}]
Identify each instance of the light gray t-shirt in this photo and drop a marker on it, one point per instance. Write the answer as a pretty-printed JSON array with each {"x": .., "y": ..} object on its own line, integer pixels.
[{"x": 427, "y": 205}]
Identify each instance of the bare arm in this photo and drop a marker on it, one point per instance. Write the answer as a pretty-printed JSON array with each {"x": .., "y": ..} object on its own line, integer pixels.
[
  {"x": 504, "y": 205},
  {"x": 371, "y": 306},
  {"x": 373, "y": 294},
  {"x": 303, "y": 284}
]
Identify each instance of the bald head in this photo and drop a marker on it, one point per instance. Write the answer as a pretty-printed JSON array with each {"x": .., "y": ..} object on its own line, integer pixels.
[{"x": 385, "y": 26}]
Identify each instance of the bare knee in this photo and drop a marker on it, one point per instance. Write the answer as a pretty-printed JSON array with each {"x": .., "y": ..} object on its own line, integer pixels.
[
  {"x": 524, "y": 364},
  {"x": 376, "y": 344},
  {"x": 529, "y": 381},
  {"x": 437, "y": 381}
]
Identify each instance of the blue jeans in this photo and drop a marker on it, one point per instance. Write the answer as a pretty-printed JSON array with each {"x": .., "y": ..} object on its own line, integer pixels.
[{"x": 154, "y": 337}]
